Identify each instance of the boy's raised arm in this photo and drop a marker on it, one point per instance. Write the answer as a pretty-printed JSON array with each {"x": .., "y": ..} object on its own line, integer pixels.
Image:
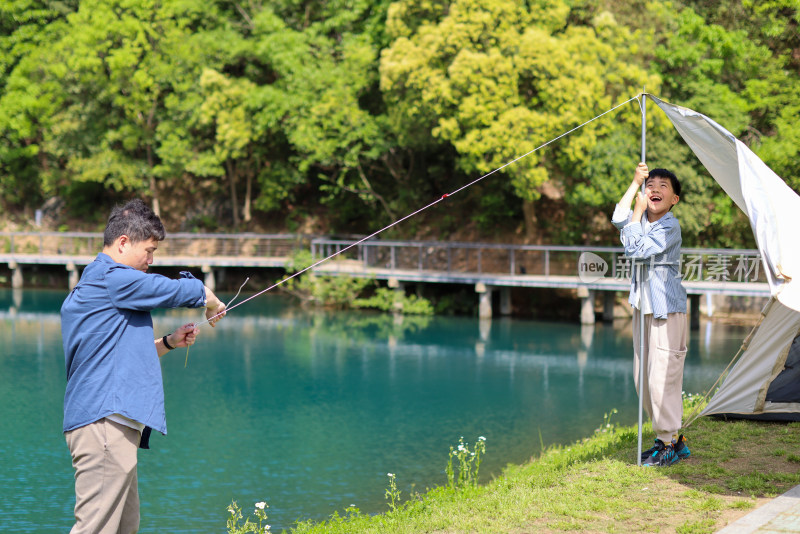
[{"x": 639, "y": 176}]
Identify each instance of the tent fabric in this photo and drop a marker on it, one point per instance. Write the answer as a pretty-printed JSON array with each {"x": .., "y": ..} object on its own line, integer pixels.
[
  {"x": 768, "y": 356},
  {"x": 755, "y": 188},
  {"x": 745, "y": 388}
]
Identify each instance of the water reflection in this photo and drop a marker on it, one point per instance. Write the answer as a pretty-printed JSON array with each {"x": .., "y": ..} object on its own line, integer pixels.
[{"x": 411, "y": 337}]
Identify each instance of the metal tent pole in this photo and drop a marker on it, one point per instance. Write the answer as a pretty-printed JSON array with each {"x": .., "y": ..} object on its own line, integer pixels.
[{"x": 640, "y": 276}]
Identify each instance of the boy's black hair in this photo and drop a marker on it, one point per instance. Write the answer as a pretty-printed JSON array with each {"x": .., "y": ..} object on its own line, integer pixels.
[
  {"x": 664, "y": 173},
  {"x": 136, "y": 220}
]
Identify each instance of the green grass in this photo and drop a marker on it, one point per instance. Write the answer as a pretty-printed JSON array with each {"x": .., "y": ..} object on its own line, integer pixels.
[{"x": 595, "y": 486}]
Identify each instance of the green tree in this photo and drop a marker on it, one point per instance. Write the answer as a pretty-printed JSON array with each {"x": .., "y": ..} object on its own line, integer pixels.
[
  {"x": 725, "y": 74},
  {"x": 134, "y": 56},
  {"x": 228, "y": 106},
  {"x": 99, "y": 88},
  {"x": 774, "y": 93},
  {"x": 27, "y": 28},
  {"x": 290, "y": 109},
  {"x": 324, "y": 71},
  {"x": 496, "y": 79}
]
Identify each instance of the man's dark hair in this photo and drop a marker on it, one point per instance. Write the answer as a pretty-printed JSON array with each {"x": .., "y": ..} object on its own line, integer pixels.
[
  {"x": 134, "y": 219},
  {"x": 664, "y": 173}
]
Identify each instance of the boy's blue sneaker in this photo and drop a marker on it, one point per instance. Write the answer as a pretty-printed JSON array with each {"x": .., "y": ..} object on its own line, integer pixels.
[
  {"x": 652, "y": 450},
  {"x": 664, "y": 456},
  {"x": 681, "y": 449}
]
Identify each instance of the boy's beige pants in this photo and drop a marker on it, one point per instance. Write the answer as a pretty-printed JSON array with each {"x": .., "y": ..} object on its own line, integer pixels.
[
  {"x": 106, "y": 485},
  {"x": 664, "y": 354}
]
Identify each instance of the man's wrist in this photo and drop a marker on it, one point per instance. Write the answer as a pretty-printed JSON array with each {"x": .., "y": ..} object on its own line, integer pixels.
[{"x": 166, "y": 343}]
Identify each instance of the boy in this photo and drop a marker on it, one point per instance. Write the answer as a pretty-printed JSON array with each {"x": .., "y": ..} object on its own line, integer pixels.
[{"x": 651, "y": 234}]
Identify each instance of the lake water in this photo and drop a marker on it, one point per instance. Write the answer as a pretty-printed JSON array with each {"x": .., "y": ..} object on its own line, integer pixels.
[{"x": 310, "y": 410}]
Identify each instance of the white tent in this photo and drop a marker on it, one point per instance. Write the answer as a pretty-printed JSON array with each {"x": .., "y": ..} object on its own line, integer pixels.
[{"x": 765, "y": 381}]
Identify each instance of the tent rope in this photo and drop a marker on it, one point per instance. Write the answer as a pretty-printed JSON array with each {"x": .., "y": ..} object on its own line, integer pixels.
[
  {"x": 745, "y": 344},
  {"x": 440, "y": 199}
]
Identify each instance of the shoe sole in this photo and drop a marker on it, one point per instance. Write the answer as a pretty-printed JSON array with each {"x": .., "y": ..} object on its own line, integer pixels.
[{"x": 675, "y": 459}]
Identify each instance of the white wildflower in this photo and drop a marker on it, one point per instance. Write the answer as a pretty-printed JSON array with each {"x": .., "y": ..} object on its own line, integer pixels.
[{"x": 261, "y": 505}]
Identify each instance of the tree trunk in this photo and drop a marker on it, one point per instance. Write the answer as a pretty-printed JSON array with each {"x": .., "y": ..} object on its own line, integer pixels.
[
  {"x": 531, "y": 232},
  {"x": 248, "y": 194},
  {"x": 234, "y": 197},
  {"x": 156, "y": 204},
  {"x": 368, "y": 185},
  {"x": 151, "y": 126},
  {"x": 152, "y": 182}
]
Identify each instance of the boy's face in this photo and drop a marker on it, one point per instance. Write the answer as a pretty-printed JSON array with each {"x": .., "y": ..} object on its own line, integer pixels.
[{"x": 660, "y": 197}]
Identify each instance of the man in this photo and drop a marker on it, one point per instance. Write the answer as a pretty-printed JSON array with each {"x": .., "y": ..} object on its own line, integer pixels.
[{"x": 114, "y": 393}]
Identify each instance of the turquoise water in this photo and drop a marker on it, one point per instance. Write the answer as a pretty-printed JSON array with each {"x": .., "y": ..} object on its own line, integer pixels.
[{"x": 309, "y": 410}]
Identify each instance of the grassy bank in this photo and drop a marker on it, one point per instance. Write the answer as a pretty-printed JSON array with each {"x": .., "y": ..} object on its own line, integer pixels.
[{"x": 595, "y": 486}]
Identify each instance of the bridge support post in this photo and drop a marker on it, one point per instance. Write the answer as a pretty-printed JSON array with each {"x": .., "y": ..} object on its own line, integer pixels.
[
  {"x": 694, "y": 312},
  {"x": 484, "y": 300},
  {"x": 399, "y": 293},
  {"x": 16, "y": 274},
  {"x": 587, "y": 305},
  {"x": 587, "y": 338},
  {"x": 209, "y": 280},
  {"x": 505, "y": 301},
  {"x": 72, "y": 269},
  {"x": 609, "y": 301}
]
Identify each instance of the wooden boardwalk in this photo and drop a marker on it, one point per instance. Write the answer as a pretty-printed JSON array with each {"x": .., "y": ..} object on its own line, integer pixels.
[
  {"x": 488, "y": 267},
  {"x": 701, "y": 287}
]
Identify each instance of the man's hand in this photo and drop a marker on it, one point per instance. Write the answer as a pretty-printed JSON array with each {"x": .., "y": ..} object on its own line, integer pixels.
[
  {"x": 640, "y": 174},
  {"x": 215, "y": 308},
  {"x": 183, "y": 336},
  {"x": 215, "y": 314}
]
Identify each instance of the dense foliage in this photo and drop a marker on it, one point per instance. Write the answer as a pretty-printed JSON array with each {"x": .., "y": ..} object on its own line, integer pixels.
[{"x": 350, "y": 114}]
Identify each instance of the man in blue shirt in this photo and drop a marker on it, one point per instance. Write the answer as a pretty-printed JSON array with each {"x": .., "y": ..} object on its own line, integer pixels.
[{"x": 115, "y": 393}]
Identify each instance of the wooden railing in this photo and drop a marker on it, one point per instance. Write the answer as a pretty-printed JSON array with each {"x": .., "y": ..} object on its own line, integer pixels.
[
  {"x": 273, "y": 250},
  {"x": 720, "y": 265}
]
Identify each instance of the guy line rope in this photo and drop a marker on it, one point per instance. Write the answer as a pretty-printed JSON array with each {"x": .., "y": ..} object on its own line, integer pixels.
[{"x": 440, "y": 199}]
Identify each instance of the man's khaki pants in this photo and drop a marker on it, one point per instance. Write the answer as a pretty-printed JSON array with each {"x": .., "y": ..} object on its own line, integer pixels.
[
  {"x": 106, "y": 490},
  {"x": 664, "y": 355}
]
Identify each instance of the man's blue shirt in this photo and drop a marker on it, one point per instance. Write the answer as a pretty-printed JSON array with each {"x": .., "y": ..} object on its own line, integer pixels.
[{"x": 111, "y": 358}]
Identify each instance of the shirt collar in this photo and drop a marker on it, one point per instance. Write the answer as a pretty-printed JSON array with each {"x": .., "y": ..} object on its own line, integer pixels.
[{"x": 105, "y": 258}]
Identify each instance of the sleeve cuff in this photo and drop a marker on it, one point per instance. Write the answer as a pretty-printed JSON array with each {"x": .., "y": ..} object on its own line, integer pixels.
[
  {"x": 202, "y": 300},
  {"x": 620, "y": 216}
]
